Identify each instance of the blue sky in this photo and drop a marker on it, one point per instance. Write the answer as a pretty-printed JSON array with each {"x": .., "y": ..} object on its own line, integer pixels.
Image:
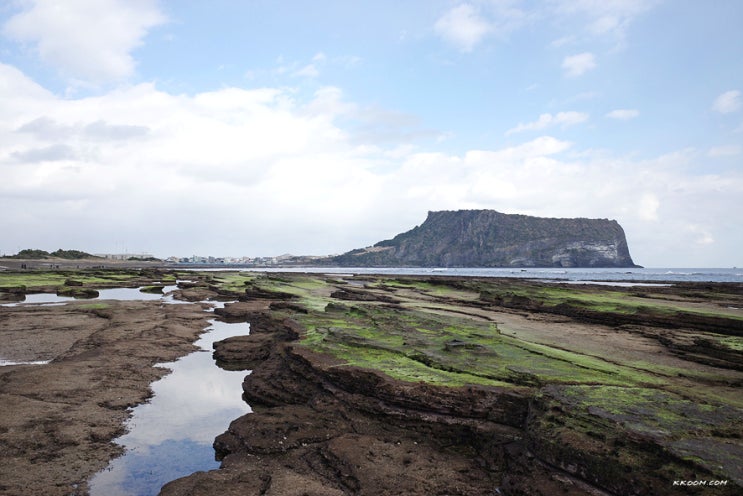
[{"x": 261, "y": 128}]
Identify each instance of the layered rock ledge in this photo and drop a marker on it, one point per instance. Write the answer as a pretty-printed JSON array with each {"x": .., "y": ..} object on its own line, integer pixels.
[{"x": 323, "y": 426}]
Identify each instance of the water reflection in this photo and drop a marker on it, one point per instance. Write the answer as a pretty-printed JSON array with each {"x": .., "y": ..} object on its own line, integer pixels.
[
  {"x": 172, "y": 435},
  {"x": 124, "y": 294},
  {"x": 42, "y": 298},
  {"x": 130, "y": 294},
  {"x": 3, "y": 363}
]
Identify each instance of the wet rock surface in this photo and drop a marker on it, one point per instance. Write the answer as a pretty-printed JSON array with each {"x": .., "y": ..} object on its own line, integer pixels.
[
  {"x": 322, "y": 426},
  {"x": 322, "y": 446},
  {"x": 58, "y": 420},
  {"x": 394, "y": 385},
  {"x": 333, "y": 430}
]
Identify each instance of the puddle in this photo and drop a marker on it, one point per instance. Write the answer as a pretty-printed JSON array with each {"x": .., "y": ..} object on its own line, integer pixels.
[
  {"x": 129, "y": 294},
  {"x": 41, "y": 298},
  {"x": 126, "y": 294},
  {"x": 4, "y": 363},
  {"x": 171, "y": 436}
]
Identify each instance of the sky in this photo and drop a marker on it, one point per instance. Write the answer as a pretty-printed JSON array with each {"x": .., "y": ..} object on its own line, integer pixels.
[{"x": 259, "y": 128}]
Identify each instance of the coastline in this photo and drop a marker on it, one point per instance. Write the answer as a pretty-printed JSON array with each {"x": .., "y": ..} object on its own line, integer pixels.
[
  {"x": 337, "y": 409},
  {"x": 328, "y": 421}
]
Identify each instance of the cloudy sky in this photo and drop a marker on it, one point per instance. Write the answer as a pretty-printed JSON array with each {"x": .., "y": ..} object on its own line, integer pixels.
[{"x": 261, "y": 128}]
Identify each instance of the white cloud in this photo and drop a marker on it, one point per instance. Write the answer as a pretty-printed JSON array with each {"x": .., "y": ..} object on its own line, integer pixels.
[
  {"x": 579, "y": 64},
  {"x": 560, "y": 42},
  {"x": 310, "y": 71},
  {"x": 700, "y": 234},
  {"x": 46, "y": 128},
  {"x": 261, "y": 172},
  {"x": 654, "y": 200},
  {"x": 563, "y": 119},
  {"x": 623, "y": 114},
  {"x": 647, "y": 207},
  {"x": 462, "y": 26},
  {"x": 728, "y": 102},
  {"x": 50, "y": 153},
  {"x": 328, "y": 101},
  {"x": 469, "y": 23},
  {"x": 23, "y": 89},
  {"x": 604, "y": 18},
  {"x": 725, "y": 151},
  {"x": 88, "y": 40}
]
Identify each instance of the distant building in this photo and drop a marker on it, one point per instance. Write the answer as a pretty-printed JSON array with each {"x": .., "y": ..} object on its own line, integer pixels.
[{"x": 123, "y": 256}]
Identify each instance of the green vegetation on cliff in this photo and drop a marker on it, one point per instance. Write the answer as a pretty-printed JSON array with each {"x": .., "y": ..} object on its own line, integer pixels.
[
  {"x": 486, "y": 238},
  {"x": 33, "y": 254}
]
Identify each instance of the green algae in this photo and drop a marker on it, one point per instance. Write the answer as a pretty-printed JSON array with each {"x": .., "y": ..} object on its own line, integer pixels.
[
  {"x": 233, "y": 281},
  {"x": 611, "y": 414},
  {"x": 431, "y": 288},
  {"x": 94, "y": 306},
  {"x": 415, "y": 332},
  {"x": 647, "y": 408},
  {"x": 426, "y": 337},
  {"x": 732, "y": 343},
  {"x": 36, "y": 281},
  {"x": 154, "y": 289},
  {"x": 312, "y": 292},
  {"x": 472, "y": 349},
  {"x": 598, "y": 300},
  {"x": 433, "y": 332},
  {"x": 32, "y": 281},
  {"x": 638, "y": 428}
]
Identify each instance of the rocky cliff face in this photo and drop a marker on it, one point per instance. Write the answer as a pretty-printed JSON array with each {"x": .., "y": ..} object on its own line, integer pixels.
[{"x": 486, "y": 238}]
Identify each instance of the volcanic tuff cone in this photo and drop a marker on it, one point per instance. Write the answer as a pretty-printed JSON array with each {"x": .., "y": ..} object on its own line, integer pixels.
[{"x": 486, "y": 238}]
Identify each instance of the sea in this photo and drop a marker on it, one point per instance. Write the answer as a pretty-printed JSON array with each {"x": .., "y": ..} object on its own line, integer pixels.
[{"x": 616, "y": 276}]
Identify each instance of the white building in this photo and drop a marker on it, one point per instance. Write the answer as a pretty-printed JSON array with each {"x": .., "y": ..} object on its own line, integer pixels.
[{"x": 123, "y": 256}]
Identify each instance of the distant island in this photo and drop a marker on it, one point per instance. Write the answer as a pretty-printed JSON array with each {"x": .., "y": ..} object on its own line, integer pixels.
[{"x": 487, "y": 238}]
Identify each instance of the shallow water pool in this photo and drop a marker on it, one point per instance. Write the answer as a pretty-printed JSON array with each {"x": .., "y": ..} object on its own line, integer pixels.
[
  {"x": 124, "y": 294},
  {"x": 171, "y": 436}
]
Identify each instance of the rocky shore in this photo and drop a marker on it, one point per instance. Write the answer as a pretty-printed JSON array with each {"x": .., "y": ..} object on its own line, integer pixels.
[
  {"x": 323, "y": 426},
  {"x": 382, "y": 385},
  {"x": 58, "y": 420}
]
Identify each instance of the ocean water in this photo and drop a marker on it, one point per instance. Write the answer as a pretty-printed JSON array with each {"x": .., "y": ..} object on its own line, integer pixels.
[{"x": 642, "y": 275}]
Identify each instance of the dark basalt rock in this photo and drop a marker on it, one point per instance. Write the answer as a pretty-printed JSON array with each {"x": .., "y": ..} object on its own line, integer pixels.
[
  {"x": 77, "y": 292},
  {"x": 320, "y": 426},
  {"x": 13, "y": 290},
  {"x": 152, "y": 289}
]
